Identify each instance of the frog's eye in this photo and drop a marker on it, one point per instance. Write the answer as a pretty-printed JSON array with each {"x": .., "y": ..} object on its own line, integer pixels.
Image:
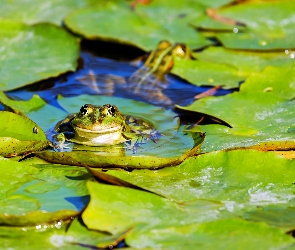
[
  {"x": 84, "y": 109},
  {"x": 111, "y": 110}
]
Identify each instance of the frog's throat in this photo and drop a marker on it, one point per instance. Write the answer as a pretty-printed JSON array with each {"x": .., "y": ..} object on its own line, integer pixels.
[{"x": 93, "y": 138}]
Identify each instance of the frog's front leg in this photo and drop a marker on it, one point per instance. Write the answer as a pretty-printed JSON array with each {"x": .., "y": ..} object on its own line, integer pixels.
[{"x": 59, "y": 142}]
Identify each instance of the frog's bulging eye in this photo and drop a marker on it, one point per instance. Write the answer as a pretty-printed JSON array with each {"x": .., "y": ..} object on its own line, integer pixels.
[
  {"x": 84, "y": 109},
  {"x": 111, "y": 110}
]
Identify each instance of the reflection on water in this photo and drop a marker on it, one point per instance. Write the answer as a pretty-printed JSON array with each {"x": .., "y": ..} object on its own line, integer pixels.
[{"x": 109, "y": 77}]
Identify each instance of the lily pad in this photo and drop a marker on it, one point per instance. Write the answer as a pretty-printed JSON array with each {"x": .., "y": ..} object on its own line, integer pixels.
[
  {"x": 32, "y": 11},
  {"x": 257, "y": 118},
  {"x": 221, "y": 234},
  {"x": 277, "y": 80},
  {"x": 246, "y": 62},
  {"x": 33, "y": 53},
  {"x": 270, "y": 25},
  {"x": 207, "y": 73},
  {"x": 31, "y": 195},
  {"x": 240, "y": 179},
  {"x": 19, "y": 135},
  {"x": 19, "y": 107},
  {"x": 173, "y": 147},
  {"x": 159, "y": 222},
  {"x": 140, "y": 28}
]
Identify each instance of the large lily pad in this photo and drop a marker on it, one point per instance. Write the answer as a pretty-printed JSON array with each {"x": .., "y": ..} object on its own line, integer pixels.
[
  {"x": 33, "y": 53},
  {"x": 140, "y": 28},
  {"x": 158, "y": 222},
  {"x": 33, "y": 11},
  {"x": 19, "y": 135},
  {"x": 32, "y": 195},
  {"x": 207, "y": 73},
  {"x": 172, "y": 148},
  {"x": 246, "y": 62},
  {"x": 270, "y": 25},
  {"x": 257, "y": 118}
]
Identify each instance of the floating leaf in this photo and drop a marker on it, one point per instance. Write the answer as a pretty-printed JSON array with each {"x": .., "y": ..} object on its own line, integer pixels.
[
  {"x": 277, "y": 80},
  {"x": 31, "y": 195},
  {"x": 239, "y": 179},
  {"x": 270, "y": 25},
  {"x": 33, "y": 11},
  {"x": 19, "y": 135},
  {"x": 140, "y": 28},
  {"x": 17, "y": 106},
  {"x": 220, "y": 234},
  {"x": 246, "y": 62},
  {"x": 33, "y": 53},
  {"x": 257, "y": 118},
  {"x": 207, "y": 73}
]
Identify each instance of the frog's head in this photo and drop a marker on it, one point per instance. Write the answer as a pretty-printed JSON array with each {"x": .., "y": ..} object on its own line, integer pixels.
[{"x": 99, "y": 119}]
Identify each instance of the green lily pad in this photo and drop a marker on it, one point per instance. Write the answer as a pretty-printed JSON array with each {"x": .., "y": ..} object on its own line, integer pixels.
[
  {"x": 207, "y": 73},
  {"x": 220, "y": 234},
  {"x": 173, "y": 147},
  {"x": 161, "y": 223},
  {"x": 32, "y": 195},
  {"x": 19, "y": 107},
  {"x": 277, "y": 80},
  {"x": 32, "y": 11},
  {"x": 140, "y": 28},
  {"x": 257, "y": 118},
  {"x": 282, "y": 217},
  {"x": 270, "y": 25},
  {"x": 20, "y": 135},
  {"x": 246, "y": 62},
  {"x": 42, "y": 237},
  {"x": 78, "y": 233},
  {"x": 33, "y": 53},
  {"x": 240, "y": 179}
]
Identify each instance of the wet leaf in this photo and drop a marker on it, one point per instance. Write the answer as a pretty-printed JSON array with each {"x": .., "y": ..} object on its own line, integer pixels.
[
  {"x": 173, "y": 147},
  {"x": 207, "y": 73},
  {"x": 277, "y": 216},
  {"x": 142, "y": 27},
  {"x": 246, "y": 62},
  {"x": 220, "y": 234},
  {"x": 240, "y": 179},
  {"x": 32, "y": 11},
  {"x": 35, "y": 52},
  {"x": 277, "y": 80},
  {"x": 32, "y": 195},
  {"x": 43, "y": 237},
  {"x": 79, "y": 234},
  {"x": 17, "y": 106},
  {"x": 269, "y": 25},
  {"x": 19, "y": 135},
  {"x": 257, "y": 118}
]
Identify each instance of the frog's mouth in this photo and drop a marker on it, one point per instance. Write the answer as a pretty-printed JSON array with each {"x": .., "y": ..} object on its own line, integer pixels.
[{"x": 101, "y": 137}]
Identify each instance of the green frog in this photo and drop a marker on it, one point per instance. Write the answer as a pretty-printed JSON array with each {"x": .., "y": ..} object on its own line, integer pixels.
[{"x": 101, "y": 126}]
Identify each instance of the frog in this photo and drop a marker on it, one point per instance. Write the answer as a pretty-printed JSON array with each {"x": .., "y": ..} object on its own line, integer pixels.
[
  {"x": 102, "y": 125},
  {"x": 148, "y": 82}
]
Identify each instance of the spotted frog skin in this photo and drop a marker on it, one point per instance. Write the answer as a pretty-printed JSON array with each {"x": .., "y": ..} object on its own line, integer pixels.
[
  {"x": 103, "y": 126},
  {"x": 95, "y": 126}
]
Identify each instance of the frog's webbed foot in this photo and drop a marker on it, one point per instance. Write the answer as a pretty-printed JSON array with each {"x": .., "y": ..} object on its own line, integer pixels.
[{"x": 59, "y": 142}]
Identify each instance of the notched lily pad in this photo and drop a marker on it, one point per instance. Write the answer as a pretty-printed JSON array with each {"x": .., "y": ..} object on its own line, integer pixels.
[
  {"x": 20, "y": 135},
  {"x": 33, "y": 53}
]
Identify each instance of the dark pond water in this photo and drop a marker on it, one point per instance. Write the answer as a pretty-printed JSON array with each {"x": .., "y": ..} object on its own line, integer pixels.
[{"x": 104, "y": 69}]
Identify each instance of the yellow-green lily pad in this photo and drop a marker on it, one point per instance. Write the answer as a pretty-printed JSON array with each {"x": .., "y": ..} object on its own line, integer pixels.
[
  {"x": 20, "y": 135},
  {"x": 33, "y": 53},
  {"x": 40, "y": 194},
  {"x": 34, "y": 11},
  {"x": 269, "y": 25},
  {"x": 259, "y": 119},
  {"x": 140, "y": 27},
  {"x": 173, "y": 147}
]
